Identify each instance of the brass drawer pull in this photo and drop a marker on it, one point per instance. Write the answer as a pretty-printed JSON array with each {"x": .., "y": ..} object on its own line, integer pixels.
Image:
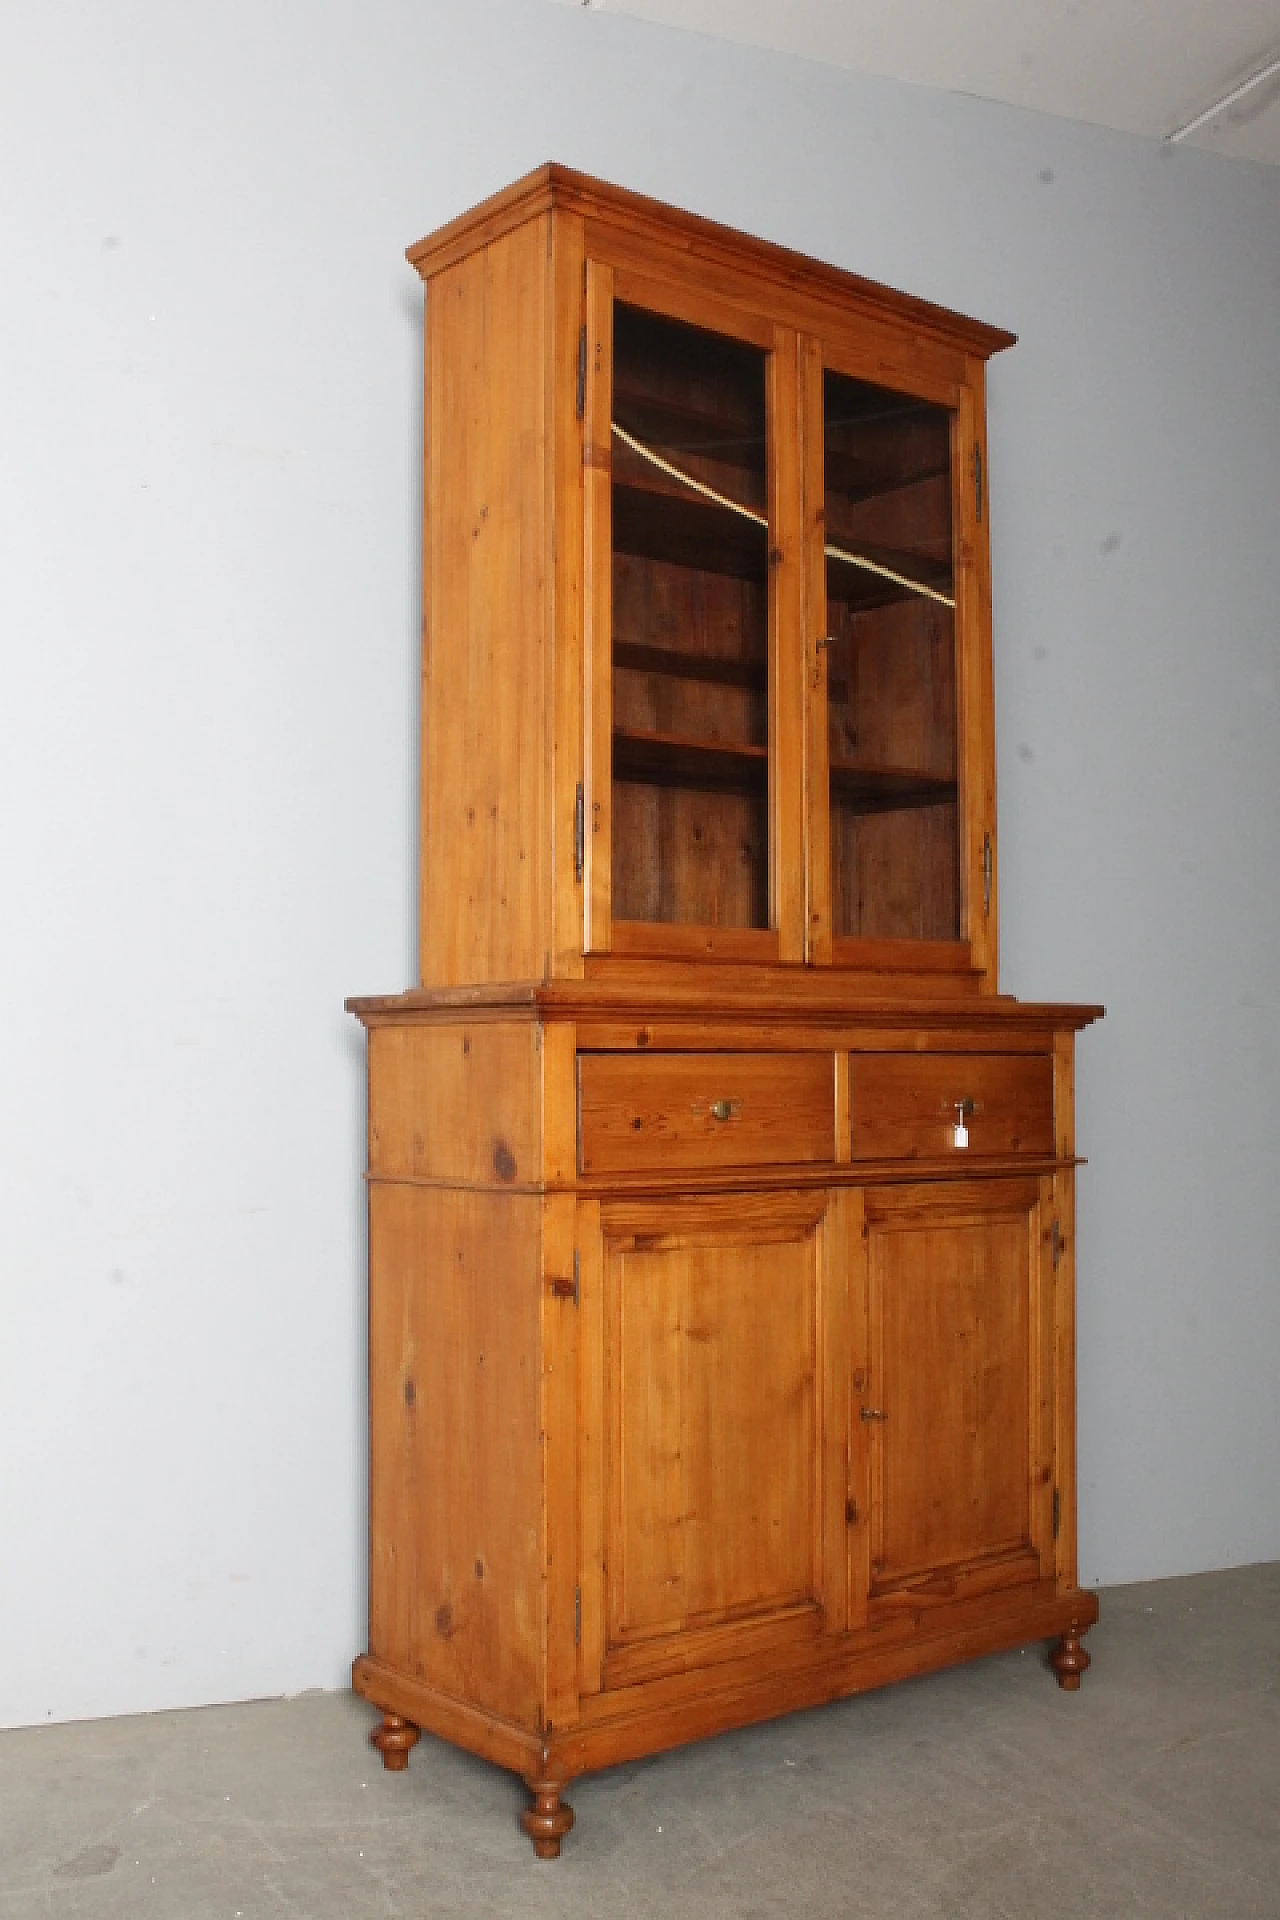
[
  {"x": 873, "y": 1413},
  {"x": 723, "y": 1109}
]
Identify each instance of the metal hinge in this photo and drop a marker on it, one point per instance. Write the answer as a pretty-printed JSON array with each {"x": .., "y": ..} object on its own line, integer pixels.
[
  {"x": 577, "y": 1616},
  {"x": 1057, "y": 1512},
  {"x": 977, "y": 477},
  {"x": 986, "y": 876},
  {"x": 1057, "y": 1245},
  {"x": 582, "y": 370},
  {"x": 579, "y": 832}
]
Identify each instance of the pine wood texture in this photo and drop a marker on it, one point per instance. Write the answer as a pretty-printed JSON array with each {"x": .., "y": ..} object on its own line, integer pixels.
[
  {"x": 787, "y": 680},
  {"x": 460, "y": 1103},
  {"x": 957, "y": 1396},
  {"x": 712, "y": 1390},
  {"x": 595, "y": 379},
  {"x": 711, "y": 1374},
  {"x": 455, "y": 1589},
  {"x": 906, "y": 1104},
  {"x": 703, "y": 1110},
  {"x": 486, "y": 766},
  {"x": 568, "y": 587}
]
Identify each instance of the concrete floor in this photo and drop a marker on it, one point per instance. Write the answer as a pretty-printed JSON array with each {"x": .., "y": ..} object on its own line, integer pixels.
[{"x": 980, "y": 1794}]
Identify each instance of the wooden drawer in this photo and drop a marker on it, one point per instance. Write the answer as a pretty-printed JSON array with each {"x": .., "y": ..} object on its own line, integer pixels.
[
  {"x": 690, "y": 1110},
  {"x": 903, "y": 1105}
]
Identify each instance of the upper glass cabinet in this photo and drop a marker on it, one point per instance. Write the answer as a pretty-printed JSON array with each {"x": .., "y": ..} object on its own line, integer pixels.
[
  {"x": 689, "y": 591},
  {"x": 890, "y": 631},
  {"x": 707, "y": 616},
  {"x": 788, "y": 683}
]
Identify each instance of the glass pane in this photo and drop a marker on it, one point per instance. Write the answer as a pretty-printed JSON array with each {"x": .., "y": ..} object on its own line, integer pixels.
[
  {"x": 690, "y": 626},
  {"x": 891, "y": 664}
]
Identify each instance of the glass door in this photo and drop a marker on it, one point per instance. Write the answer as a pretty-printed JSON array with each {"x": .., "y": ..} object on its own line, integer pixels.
[
  {"x": 683, "y": 628},
  {"x": 887, "y": 631}
]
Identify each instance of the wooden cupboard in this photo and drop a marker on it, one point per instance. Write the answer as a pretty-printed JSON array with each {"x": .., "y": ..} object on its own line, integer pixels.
[{"x": 721, "y": 1207}]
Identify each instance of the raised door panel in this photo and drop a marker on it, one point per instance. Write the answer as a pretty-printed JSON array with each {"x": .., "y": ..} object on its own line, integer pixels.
[
  {"x": 953, "y": 1392},
  {"x": 722, "y": 1432}
]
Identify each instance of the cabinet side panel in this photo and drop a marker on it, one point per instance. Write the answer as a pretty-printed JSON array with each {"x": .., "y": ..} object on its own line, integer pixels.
[
  {"x": 455, "y": 1582},
  {"x": 456, "y": 1102},
  {"x": 486, "y": 842}
]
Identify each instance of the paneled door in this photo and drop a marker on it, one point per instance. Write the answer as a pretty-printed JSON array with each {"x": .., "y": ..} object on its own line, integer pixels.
[
  {"x": 953, "y": 1392},
  {"x": 714, "y": 1433}
]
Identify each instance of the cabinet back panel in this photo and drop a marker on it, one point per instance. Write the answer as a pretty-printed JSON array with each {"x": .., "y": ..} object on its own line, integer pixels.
[
  {"x": 895, "y": 875},
  {"x": 707, "y": 634},
  {"x": 690, "y": 859},
  {"x": 485, "y": 869},
  {"x": 892, "y": 686}
]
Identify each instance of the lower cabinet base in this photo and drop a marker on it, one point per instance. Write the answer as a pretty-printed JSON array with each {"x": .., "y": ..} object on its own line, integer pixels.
[{"x": 656, "y": 1716}]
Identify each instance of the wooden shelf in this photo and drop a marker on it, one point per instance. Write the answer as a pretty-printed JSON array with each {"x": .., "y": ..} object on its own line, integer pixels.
[
  {"x": 853, "y": 478},
  {"x": 861, "y": 591},
  {"x": 654, "y": 525},
  {"x": 635, "y": 657},
  {"x": 864, "y": 789},
  {"x": 703, "y": 766},
  {"x": 675, "y": 427}
]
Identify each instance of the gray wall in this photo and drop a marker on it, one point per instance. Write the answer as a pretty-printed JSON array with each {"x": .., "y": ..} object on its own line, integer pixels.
[{"x": 209, "y": 394}]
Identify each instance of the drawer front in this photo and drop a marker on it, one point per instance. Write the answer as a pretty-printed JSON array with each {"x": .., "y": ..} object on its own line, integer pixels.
[
  {"x": 651, "y": 1112},
  {"x": 903, "y": 1106}
]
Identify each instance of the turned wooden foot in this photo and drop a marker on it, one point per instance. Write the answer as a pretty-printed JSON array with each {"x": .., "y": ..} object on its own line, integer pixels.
[
  {"x": 393, "y": 1740},
  {"x": 1069, "y": 1660},
  {"x": 549, "y": 1818}
]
